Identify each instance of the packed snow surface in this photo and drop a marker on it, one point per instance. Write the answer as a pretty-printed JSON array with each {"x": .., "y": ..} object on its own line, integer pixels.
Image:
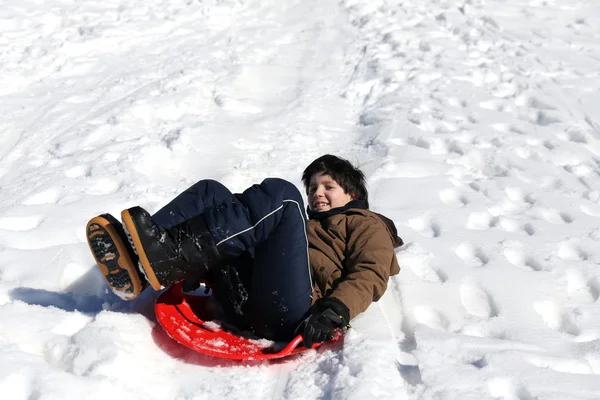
[{"x": 477, "y": 123}]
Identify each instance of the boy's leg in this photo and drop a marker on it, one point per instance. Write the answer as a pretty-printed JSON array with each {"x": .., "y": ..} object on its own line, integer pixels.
[
  {"x": 174, "y": 243},
  {"x": 193, "y": 201},
  {"x": 281, "y": 286},
  {"x": 113, "y": 253},
  {"x": 267, "y": 220},
  {"x": 231, "y": 279}
]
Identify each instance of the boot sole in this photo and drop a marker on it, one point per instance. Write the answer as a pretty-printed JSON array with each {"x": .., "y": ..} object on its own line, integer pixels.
[
  {"x": 139, "y": 248},
  {"x": 113, "y": 258}
]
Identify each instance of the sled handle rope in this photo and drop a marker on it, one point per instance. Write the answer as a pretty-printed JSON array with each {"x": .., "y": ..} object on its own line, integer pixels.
[{"x": 287, "y": 350}]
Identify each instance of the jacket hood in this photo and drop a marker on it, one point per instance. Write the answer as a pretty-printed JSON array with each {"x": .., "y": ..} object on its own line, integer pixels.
[{"x": 393, "y": 230}]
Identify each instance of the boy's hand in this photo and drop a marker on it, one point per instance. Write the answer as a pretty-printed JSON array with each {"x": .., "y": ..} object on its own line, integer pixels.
[
  {"x": 321, "y": 326},
  {"x": 190, "y": 284}
]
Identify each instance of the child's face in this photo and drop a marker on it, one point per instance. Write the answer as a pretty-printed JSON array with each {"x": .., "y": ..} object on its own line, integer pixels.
[{"x": 324, "y": 193}]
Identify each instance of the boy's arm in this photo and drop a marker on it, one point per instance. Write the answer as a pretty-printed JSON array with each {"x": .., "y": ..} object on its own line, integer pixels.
[{"x": 369, "y": 255}]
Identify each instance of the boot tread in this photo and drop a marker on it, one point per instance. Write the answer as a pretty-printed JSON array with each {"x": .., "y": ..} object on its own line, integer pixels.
[{"x": 113, "y": 257}]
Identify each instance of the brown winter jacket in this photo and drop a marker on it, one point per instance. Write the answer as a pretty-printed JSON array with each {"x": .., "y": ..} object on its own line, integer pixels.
[{"x": 352, "y": 256}]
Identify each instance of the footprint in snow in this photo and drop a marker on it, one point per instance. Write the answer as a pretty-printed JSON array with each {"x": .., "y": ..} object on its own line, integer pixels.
[
  {"x": 512, "y": 225},
  {"x": 103, "y": 186},
  {"x": 505, "y": 90},
  {"x": 542, "y": 118},
  {"x": 529, "y": 229},
  {"x": 576, "y": 136},
  {"x": 455, "y": 102},
  {"x": 555, "y": 317},
  {"x": 516, "y": 256},
  {"x": 471, "y": 255},
  {"x": 579, "y": 288},
  {"x": 430, "y": 317},
  {"x": 518, "y": 195},
  {"x": 506, "y": 388},
  {"x": 453, "y": 198},
  {"x": 570, "y": 250},
  {"x": 501, "y": 127},
  {"x": 47, "y": 196},
  {"x": 419, "y": 262},
  {"x": 21, "y": 224},
  {"x": 420, "y": 142},
  {"x": 480, "y": 221},
  {"x": 476, "y": 300},
  {"x": 555, "y": 217},
  {"x": 493, "y": 105},
  {"x": 535, "y": 102},
  {"x": 425, "y": 226}
]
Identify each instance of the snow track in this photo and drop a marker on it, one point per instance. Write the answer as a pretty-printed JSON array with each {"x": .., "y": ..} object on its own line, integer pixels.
[{"x": 475, "y": 121}]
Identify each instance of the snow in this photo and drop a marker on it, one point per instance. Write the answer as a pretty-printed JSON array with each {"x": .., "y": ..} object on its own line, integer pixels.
[{"x": 476, "y": 123}]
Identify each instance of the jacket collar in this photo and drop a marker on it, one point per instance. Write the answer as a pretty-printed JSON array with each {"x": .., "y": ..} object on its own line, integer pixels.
[{"x": 335, "y": 211}]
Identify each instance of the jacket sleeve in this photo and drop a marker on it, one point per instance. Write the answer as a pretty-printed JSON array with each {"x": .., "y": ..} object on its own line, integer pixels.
[{"x": 368, "y": 259}]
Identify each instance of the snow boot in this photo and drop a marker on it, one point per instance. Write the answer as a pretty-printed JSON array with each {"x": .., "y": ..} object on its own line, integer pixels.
[
  {"x": 169, "y": 255},
  {"x": 114, "y": 256}
]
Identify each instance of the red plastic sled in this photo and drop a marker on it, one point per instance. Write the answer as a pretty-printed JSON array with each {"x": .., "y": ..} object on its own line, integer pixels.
[{"x": 187, "y": 320}]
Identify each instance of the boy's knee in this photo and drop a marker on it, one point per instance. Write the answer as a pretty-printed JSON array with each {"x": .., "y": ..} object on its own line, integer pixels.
[
  {"x": 208, "y": 182},
  {"x": 289, "y": 190},
  {"x": 209, "y": 185}
]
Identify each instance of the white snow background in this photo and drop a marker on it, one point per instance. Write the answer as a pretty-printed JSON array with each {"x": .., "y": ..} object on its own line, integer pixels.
[{"x": 477, "y": 123}]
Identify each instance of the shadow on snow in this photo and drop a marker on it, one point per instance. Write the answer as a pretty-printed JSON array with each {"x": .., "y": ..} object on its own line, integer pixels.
[{"x": 89, "y": 295}]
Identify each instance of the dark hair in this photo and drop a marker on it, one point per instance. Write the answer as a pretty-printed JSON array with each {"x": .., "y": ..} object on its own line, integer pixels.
[{"x": 349, "y": 177}]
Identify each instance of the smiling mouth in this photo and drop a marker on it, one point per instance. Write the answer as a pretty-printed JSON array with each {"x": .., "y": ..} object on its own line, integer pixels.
[{"x": 317, "y": 205}]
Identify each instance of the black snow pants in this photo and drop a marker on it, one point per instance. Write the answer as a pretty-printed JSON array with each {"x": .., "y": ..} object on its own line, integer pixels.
[{"x": 262, "y": 233}]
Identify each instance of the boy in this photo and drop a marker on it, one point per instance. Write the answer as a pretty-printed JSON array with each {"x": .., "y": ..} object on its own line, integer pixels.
[{"x": 273, "y": 271}]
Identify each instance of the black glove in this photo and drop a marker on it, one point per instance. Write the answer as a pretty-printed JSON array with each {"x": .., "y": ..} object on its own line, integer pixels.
[
  {"x": 190, "y": 284},
  {"x": 321, "y": 326}
]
